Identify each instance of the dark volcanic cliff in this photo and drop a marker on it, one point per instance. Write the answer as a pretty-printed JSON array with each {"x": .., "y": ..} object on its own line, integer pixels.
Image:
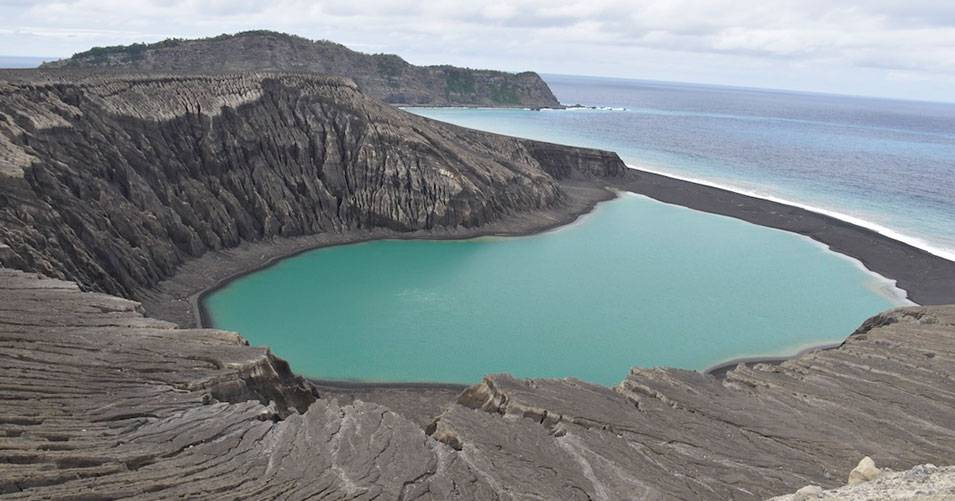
[
  {"x": 114, "y": 181},
  {"x": 384, "y": 76},
  {"x": 99, "y": 402}
]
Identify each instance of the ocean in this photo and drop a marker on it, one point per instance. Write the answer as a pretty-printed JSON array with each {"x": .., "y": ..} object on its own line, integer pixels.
[
  {"x": 885, "y": 164},
  {"x": 637, "y": 282}
]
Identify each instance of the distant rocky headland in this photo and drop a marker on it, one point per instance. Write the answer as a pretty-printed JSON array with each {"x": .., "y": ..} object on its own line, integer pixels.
[
  {"x": 124, "y": 195},
  {"x": 383, "y": 76}
]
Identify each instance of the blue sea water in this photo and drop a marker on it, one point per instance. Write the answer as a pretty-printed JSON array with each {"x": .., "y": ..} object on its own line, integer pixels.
[
  {"x": 637, "y": 282},
  {"x": 885, "y": 164}
]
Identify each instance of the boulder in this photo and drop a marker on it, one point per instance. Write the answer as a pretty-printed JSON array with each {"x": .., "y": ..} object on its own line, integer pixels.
[
  {"x": 864, "y": 472},
  {"x": 808, "y": 492}
]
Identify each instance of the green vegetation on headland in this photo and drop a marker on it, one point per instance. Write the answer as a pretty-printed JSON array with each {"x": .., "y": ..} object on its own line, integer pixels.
[{"x": 385, "y": 76}]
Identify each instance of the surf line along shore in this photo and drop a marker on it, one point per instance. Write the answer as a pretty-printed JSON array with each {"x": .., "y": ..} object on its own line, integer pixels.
[{"x": 925, "y": 277}]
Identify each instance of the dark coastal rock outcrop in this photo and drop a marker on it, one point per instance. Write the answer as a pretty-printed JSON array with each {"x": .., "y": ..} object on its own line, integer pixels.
[
  {"x": 384, "y": 76},
  {"x": 114, "y": 181},
  {"x": 100, "y": 402}
]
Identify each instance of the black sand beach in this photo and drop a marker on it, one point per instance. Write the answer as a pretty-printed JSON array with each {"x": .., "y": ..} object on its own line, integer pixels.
[
  {"x": 179, "y": 299},
  {"x": 926, "y": 278}
]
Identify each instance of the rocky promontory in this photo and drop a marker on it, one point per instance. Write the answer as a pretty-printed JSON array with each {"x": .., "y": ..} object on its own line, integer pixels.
[
  {"x": 115, "y": 181},
  {"x": 384, "y": 76}
]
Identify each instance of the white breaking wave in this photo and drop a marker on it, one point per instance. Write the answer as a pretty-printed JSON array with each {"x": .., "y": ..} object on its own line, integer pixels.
[
  {"x": 576, "y": 107},
  {"x": 916, "y": 242}
]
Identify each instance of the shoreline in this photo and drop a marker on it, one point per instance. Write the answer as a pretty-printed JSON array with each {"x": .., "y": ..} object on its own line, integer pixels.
[
  {"x": 916, "y": 242},
  {"x": 400, "y": 106},
  {"x": 719, "y": 370},
  {"x": 345, "y": 385},
  {"x": 204, "y": 318},
  {"x": 179, "y": 299},
  {"x": 924, "y": 277},
  {"x": 887, "y": 287}
]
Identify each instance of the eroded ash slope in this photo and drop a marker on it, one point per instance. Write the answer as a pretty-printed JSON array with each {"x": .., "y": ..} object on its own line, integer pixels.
[
  {"x": 100, "y": 402},
  {"x": 114, "y": 181}
]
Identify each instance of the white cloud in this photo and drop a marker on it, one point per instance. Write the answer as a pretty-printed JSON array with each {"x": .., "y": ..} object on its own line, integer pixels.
[{"x": 865, "y": 43}]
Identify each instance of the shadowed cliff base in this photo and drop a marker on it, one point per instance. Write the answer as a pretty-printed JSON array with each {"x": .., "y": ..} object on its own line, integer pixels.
[
  {"x": 102, "y": 402},
  {"x": 122, "y": 183},
  {"x": 179, "y": 299},
  {"x": 207, "y": 163},
  {"x": 926, "y": 278},
  {"x": 115, "y": 181},
  {"x": 217, "y": 163}
]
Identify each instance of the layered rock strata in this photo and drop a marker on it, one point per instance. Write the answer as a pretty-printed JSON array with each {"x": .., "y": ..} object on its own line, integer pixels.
[
  {"x": 383, "y": 76},
  {"x": 100, "y": 402},
  {"x": 113, "y": 182}
]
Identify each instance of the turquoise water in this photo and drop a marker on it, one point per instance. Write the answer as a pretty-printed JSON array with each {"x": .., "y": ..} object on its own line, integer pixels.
[
  {"x": 637, "y": 282},
  {"x": 885, "y": 164}
]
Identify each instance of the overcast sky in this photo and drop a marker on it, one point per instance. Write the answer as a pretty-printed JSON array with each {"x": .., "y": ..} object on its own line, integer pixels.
[{"x": 895, "y": 48}]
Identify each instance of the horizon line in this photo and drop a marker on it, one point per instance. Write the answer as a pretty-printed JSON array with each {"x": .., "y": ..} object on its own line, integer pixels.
[
  {"x": 44, "y": 59},
  {"x": 754, "y": 88}
]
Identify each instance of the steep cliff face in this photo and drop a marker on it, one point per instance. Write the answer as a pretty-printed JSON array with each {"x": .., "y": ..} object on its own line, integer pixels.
[
  {"x": 100, "y": 402},
  {"x": 384, "y": 76},
  {"x": 114, "y": 181}
]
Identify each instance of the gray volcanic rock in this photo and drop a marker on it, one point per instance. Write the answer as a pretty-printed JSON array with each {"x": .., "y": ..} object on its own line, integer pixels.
[
  {"x": 925, "y": 482},
  {"x": 115, "y": 181},
  {"x": 99, "y": 402},
  {"x": 384, "y": 76},
  {"x": 888, "y": 392}
]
